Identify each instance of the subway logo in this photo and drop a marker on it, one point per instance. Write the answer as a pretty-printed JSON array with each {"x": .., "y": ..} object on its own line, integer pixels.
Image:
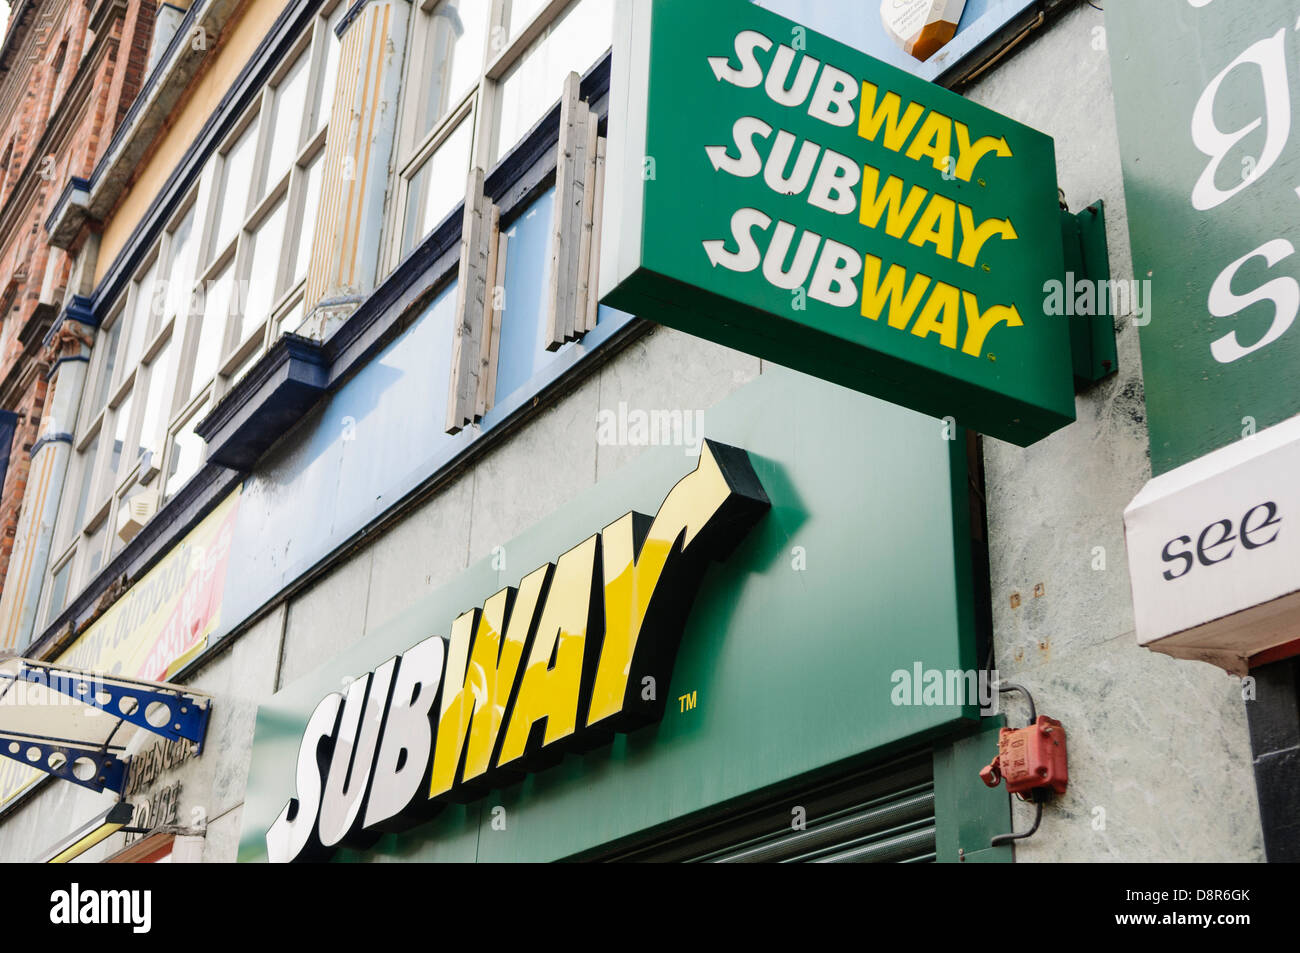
[{"x": 580, "y": 649}]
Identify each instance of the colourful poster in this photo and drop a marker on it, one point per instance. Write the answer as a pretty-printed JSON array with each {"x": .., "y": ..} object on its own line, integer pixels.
[{"x": 161, "y": 623}]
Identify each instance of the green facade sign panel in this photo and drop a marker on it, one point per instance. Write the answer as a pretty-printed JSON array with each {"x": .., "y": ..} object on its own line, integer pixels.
[
  {"x": 824, "y": 637},
  {"x": 1205, "y": 95},
  {"x": 778, "y": 192}
]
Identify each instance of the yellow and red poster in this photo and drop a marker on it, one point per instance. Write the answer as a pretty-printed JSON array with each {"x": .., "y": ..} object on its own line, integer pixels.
[{"x": 161, "y": 623}]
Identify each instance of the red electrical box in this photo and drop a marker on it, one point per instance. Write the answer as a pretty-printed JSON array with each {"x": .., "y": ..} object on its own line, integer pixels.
[{"x": 1030, "y": 758}]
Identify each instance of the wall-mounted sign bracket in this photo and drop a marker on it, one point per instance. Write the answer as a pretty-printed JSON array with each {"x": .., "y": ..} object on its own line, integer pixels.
[
  {"x": 1086, "y": 295},
  {"x": 163, "y": 710},
  {"x": 86, "y": 767},
  {"x": 77, "y": 725}
]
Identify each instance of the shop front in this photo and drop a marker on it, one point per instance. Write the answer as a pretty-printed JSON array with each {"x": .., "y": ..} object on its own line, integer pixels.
[
  {"x": 639, "y": 461},
  {"x": 826, "y": 574}
]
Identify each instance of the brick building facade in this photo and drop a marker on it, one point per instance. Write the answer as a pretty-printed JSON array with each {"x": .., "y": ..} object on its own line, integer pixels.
[{"x": 69, "y": 72}]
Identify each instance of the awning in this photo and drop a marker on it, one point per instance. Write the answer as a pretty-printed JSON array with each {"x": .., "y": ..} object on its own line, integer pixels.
[{"x": 76, "y": 725}]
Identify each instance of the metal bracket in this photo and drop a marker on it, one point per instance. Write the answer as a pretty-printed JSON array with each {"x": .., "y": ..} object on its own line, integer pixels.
[
  {"x": 1092, "y": 335},
  {"x": 62, "y": 762},
  {"x": 185, "y": 718}
]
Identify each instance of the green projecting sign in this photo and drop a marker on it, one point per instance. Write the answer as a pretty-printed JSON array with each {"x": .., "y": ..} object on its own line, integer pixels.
[
  {"x": 1210, "y": 179},
  {"x": 781, "y": 193}
]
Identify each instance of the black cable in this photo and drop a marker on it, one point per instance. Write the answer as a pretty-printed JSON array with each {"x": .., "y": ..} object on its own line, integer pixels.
[
  {"x": 1013, "y": 687},
  {"x": 1001, "y": 839},
  {"x": 1038, "y": 811}
]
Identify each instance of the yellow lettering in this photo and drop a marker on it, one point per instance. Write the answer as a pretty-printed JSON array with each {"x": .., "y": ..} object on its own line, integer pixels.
[
  {"x": 934, "y": 140},
  {"x": 455, "y": 707},
  {"x": 637, "y": 560},
  {"x": 875, "y": 292},
  {"x": 978, "y": 326},
  {"x": 968, "y": 156},
  {"x": 938, "y": 226},
  {"x": 871, "y": 118},
  {"x": 477, "y": 682},
  {"x": 973, "y": 239},
  {"x": 552, "y": 679},
  {"x": 890, "y": 197},
  {"x": 943, "y": 301}
]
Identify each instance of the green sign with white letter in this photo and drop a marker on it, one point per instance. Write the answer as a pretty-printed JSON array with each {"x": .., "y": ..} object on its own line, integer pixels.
[
  {"x": 781, "y": 193},
  {"x": 1211, "y": 177}
]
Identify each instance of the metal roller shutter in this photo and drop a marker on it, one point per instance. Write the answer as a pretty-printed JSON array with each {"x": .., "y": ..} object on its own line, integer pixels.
[{"x": 883, "y": 814}]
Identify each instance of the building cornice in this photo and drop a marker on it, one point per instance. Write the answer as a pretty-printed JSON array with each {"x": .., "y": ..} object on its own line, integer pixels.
[
  {"x": 60, "y": 126},
  {"x": 25, "y": 366},
  {"x": 15, "y": 32}
]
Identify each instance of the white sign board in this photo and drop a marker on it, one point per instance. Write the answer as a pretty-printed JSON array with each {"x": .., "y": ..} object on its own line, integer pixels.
[{"x": 1214, "y": 552}]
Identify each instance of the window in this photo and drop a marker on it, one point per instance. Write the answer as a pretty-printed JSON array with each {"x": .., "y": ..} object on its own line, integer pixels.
[
  {"x": 480, "y": 74},
  {"x": 573, "y": 42},
  {"x": 311, "y": 183},
  {"x": 187, "y": 452},
  {"x": 226, "y": 275},
  {"x": 520, "y": 13},
  {"x": 325, "y": 49},
  {"x": 264, "y": 280},
  {"x": 529, "y": 240},
  {"x": 446, "y": 53},
  {"x": 140, "y": 322},
  {"x": 107, "y": 347},
  {"x": 231, "y": 196},
  {"x": 58, "y": 590},
  {"x": 88, "y": 465},
  {"x": 184, "y": 260},
  {"x": 288, "y": 104},
  {"x": 448, "y": 57},
  {"x": 438, "y": 184},
  {"x": 94, "y": 552},
  {"x": 161, "y": 373},
  {"x": 262, "y": 200},
  {"x": 453, "y": 119},
  {"x": 119, "y": 426}
]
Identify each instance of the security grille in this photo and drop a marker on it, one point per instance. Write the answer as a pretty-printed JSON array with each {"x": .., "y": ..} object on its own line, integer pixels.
[{"x": 884, "y": 814}]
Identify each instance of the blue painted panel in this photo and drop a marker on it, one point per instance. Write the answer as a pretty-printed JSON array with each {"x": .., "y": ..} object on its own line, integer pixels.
[
  {"x": 858, "y": 24},
  {"x": 369, "y": 444},
  {"x": 393, "y": 415},
  {"x": 524, "y": 365},
  {"x": 333, "y": 476},
  {"x": 523, "y": 323}
]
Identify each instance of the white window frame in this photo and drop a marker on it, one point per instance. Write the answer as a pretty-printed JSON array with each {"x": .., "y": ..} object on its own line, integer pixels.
[
  {"x": 182, "y": 330},
  {"x": 479, "y": 104}
]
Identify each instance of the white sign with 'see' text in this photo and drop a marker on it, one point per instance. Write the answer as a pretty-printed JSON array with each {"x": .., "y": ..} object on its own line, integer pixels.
[{"x": 1216, "y": 537}]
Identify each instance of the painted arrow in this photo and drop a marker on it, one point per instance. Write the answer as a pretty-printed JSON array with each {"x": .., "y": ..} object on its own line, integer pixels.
[
  {"x": 751, "y": 73},
  {"x": 748, "y": 257},
  {"x": 749, "y": 163}
]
